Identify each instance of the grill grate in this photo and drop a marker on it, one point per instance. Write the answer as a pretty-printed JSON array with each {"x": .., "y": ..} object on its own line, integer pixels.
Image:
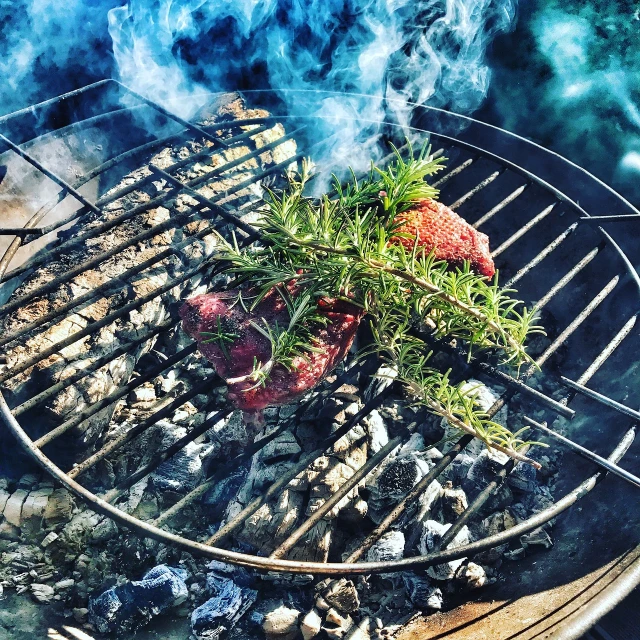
[{"x": 220, "y": 210}]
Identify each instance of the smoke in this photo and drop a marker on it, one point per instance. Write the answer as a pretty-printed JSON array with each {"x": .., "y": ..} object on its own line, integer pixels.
[
  {"x": 571, "y": 81},
  {"x": 351, "y": 63}
]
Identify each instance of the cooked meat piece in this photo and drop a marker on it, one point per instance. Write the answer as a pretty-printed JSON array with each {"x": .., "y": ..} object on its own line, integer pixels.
[
  {"x": 437, "y": 226},
  {"x": 216, "y": 313}
]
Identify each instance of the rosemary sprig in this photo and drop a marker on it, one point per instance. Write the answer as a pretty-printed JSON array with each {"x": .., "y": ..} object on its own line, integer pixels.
[
  {"x": 221, "y": 337},
  {"x": 340, "y": 247}
]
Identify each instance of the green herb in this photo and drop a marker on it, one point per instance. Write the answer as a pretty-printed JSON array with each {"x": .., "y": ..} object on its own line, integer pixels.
[
  {"x": 338, "y": 247},
  {"x": 221, "y": 337}
]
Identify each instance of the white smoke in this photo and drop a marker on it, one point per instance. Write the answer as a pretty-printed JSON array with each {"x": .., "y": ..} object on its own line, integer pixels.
[{"x": 351, "y": 63}]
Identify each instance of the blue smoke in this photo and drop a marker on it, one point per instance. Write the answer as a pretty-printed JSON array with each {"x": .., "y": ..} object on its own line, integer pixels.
[{"x": 569, "y": 77}]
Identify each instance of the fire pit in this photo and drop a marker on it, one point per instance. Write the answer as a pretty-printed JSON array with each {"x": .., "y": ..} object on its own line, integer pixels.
[{"x": 575, "y": 271}]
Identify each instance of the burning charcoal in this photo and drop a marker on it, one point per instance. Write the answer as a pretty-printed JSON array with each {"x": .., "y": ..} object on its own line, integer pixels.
[
  {"x": 342, "y": 595},
  {"x": 378, "y": 434},
  {"x": 395, "y": 477},
  {"x": 311, "y": 625},
  {"x": 284, "y": 445},
  {"x": 485, "y": 398},
  {"x": 537, "y": 537},
  {"x": 382, "y": 379},
  {"x": 42, "y": 593},
  {"x": 432, "y": 533},
  {"x": 389, "y": 547},
  {"x": 337, "y": 626},
  {"x": 483, "y": 470},
  {"x": 184, "y": 470},
  {"x": 281, "y": 623},
  {"x": 229, "y": 429},
  {"x": 471, "y": 576},
  {"x": 454, "y": 502},
  {"x": 523, "y": 477},
  {"x": 229, "y": 603},
  {"x": 133, "y": 604},
  {"x": 422, "y": 592},
  {"x": 459, "y": 468}
]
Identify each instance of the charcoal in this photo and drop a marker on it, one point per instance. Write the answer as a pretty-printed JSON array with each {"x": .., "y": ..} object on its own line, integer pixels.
[
  {"x": 523, "y": 477},
  {"x": 281, "y": 623},
  {"x": 459, "y": 468},
  {"x": 389, "y": 547},
  {"x": 422, "y": 592},
  {"x": 432, "y": 533},
  {"x": 454, "y": 502},
  {"x": 219, "y": 614},
  {"x": 133, "y": 604},
  {"x": 185, "y": 470},
  {"x": 310, "y": 625},
  {"x": 471, "y": 576},
  {"x": 342, "y": 595},
  {"x": 376, "y": 429},
  {"x": 483, "y": 470},
  {"x": 485, "y": 397},
  {"x": 538, "y": 538}
]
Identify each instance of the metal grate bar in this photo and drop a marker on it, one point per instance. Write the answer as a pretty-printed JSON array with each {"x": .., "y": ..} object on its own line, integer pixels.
[
  {"x": 256, "y": 446},
  {"x": 500, "y": 206},
  {"x": 85, "y": 371},
  {"x": 120, "y": 392},
  {"x": 116, "y": 220},
  {"x": 300, "y": 466},
  {"x": 454, "y": 172},
  {"x": 140, "y": 427},
  {"x": 523, "y": 230},
  {"x": 550, "y": 248},
  {"x": 105, "y": 289},
  {"x": 495, "y": 484},
  {"x": 165, "y": 112},
  {"x": 564, "y": 281},
  {"x": 52, "y": 176},
  {"x": 205, "y": 153},
  {"x": 335, "y": 497},
  {"x": 217, "y": 209},
  {"x": 608, "y": 350},
  {"x": 479, "y": 187},
  {"x": 577, "y": 321},
  {"x": 143, "y": 181},
  {"x": 414, "y": 494},
  {"x": 165, "y": 454}
]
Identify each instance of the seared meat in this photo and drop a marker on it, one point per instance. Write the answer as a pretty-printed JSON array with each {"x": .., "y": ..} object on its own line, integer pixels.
[
  {"x": 235, "y": 357},
  {"x": 437, "y": 226}
]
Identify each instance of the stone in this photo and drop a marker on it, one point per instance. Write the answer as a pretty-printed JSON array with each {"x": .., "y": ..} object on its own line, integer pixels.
[
  {"x": 311, "y": 625},
  {"x": 131, "y": 605},
  {"x": 342, "y": 595},
  {"x": 390, "y": 546},
  {"x": 281, "y": 623},
  {"x": 432, "y": 533},
  {"x": 42, "y": 593},
  {"x": 422, "y": 592}
]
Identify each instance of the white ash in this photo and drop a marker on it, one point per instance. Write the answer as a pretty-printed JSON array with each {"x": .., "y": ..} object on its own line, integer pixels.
[{"x": 432, "y": 533}]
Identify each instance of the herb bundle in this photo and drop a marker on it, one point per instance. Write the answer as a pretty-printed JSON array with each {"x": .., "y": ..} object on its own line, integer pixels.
[{"x": 342, "y": 247}]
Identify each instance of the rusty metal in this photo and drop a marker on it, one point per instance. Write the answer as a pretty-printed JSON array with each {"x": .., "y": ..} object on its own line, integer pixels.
[{"x": 354, "y": 563}]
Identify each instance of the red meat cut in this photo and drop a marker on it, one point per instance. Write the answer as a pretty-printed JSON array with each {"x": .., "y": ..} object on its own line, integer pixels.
[
  {"x": 454, "y": 240},
  {"x": 212, "y": 312}
]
